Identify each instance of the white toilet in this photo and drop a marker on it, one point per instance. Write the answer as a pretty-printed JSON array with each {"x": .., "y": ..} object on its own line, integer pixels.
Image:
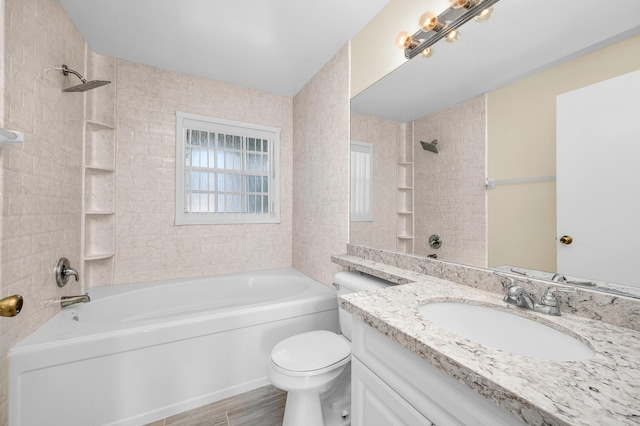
[{"x": 314, "y": 367}]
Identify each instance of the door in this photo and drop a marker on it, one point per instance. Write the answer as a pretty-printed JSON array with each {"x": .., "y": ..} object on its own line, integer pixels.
[{"x": 598, "y": 180}]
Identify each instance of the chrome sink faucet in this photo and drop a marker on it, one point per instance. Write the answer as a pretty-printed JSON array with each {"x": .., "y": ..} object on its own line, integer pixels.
[{"x": 518, "y": 296}]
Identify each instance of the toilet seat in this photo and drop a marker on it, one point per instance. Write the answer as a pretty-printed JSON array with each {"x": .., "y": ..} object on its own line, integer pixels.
[{"x": 311, "y": 353}]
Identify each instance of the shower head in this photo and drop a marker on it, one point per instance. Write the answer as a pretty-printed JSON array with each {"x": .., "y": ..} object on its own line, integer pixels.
[
  {"x": 85, "y": 85},
  {"x": 430, "y": 146}
]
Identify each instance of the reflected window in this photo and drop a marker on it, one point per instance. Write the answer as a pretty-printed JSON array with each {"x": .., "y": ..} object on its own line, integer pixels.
[{"x": 361, "y": 184}]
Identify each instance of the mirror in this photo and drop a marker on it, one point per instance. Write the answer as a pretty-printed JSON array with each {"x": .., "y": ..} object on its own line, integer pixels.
[{"x": 462, "y": 97}]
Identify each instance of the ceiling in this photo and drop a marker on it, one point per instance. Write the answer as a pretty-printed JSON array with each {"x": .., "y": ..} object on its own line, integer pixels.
[
  {"x": 521, "y": 38},
  {"x": 275, "y": 46}
]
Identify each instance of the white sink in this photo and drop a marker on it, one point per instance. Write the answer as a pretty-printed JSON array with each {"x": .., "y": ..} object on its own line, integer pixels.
[{"x": 505, "y": 331}]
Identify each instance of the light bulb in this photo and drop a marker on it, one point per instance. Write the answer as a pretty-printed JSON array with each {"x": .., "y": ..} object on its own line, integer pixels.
[
  {"x": 452, "y": 36},
  {"x": 405, "y": 40},
  {"x": 429, "y": 22},
  {"x": 457, "y": 4},
  {"x": 485, "y": 15},
  {"x": 426, "y": 53}
]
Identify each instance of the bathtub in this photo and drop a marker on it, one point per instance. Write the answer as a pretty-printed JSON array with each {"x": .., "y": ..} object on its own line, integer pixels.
[{"x": 141, "y": 352}]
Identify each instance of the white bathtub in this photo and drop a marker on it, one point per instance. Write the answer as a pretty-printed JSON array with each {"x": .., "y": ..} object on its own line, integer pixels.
[{"x": 141, "y": 352}]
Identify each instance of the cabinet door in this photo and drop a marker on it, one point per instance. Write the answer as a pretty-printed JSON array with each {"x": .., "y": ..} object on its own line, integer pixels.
[{"x": 376, "y": 404}]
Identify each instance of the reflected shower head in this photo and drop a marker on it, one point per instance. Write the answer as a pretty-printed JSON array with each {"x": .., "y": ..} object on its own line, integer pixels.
[
  {"x": 85, "y": 85},
  {"x": 430, "y": 146}
]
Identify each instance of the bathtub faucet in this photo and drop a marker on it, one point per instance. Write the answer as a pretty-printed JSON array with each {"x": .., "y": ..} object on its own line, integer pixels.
[{"x": 72, "y": 300}]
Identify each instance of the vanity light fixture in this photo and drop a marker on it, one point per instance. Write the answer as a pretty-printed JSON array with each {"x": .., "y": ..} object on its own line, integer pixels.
[
  {"x": 452, "y": 36},
  {"x": 446, "y": 25}
]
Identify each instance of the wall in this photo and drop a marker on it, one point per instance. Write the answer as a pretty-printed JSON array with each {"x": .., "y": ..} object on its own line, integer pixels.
[
  {"x": 521, "y": 135},
  {"x": 148, "y": 245},
  {"x": 449, "y": 186},
  {"x": 321, "y": 169},
  {"x": 384, "y": 135},
  {"x": 374, "y": 52},
  {"x": 41, "y": 178}
]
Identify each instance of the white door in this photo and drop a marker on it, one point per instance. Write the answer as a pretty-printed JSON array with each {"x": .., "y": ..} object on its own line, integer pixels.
[{"x": 598, "y": 180}]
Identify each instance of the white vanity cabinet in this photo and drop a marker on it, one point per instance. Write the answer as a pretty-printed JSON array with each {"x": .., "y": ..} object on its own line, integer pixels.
[{"x": 393, "y": 386}]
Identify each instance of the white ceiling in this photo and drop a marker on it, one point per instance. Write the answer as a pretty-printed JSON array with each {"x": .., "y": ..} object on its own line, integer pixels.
[
  {"x": 270, "y": 45},
  {"x": 522, "y": 37}
]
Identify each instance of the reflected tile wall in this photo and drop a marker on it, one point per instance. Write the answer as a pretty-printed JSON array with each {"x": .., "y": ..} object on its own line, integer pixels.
[
  {"x": 450, "y": 193},
  {"x": 384, "y": 135}
]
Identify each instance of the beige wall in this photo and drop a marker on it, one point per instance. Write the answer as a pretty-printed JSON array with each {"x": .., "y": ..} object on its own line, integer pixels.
[
  {"x": 384, "y": 135},
  {"x": 321, "y": 169},
  {"x": 148, "y": 245},
  {"x": 374, "y": 52},
  {"x": 521, "y": 143},
  {"x": 449, "y": 186},
  {"x": 41, "y": 177}
]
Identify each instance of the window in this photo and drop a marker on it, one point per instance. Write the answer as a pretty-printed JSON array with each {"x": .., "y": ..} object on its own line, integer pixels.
[
  {"x": 361, "y": 181},
  {"x": 226, "y": 171}
]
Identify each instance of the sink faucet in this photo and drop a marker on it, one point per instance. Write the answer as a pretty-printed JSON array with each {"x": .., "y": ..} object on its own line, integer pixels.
[
  {"x": 72, "y": 300},
  {"x": 518, "y": 296},
  {"x": 558, "y": 278}
]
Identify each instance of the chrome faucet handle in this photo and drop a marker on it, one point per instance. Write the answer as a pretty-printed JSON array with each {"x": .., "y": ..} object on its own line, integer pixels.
[
  {"x": 506, "y": 280},
  {"x": 549, "y": 298},
  {"x": 63, "y": 271},
  {"x": 67, "y": 272}
]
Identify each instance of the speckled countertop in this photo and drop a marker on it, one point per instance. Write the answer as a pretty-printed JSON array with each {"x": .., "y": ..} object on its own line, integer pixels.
[{"x": 603, "y": 390}]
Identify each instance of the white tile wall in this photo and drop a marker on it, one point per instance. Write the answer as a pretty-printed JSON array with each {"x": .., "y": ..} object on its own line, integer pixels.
[
  {"x": 148, "y": 245},
  {"x": 384, "y": 135},
  {"x": 41, "y": 178},
  {"x": 450, "y": 195},
  {"x": 321, "y": 169}
]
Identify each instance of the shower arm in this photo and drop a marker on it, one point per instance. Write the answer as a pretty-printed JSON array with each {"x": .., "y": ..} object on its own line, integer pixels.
[{"x": 66, "y": 70}]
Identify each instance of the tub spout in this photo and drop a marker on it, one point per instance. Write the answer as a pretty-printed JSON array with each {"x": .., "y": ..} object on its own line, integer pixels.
[{"x": 72, "y": 300}]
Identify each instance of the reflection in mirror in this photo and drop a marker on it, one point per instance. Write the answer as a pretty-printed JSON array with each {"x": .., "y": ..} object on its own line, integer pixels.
[{"x": 505, "y": 132}]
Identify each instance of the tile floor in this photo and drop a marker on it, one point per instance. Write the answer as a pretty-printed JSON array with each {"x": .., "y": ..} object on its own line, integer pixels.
[{"x": 260, "y": 407}]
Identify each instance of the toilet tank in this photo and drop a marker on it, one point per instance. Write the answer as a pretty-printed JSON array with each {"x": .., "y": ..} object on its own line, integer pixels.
[{"x": 349, "y": 282}]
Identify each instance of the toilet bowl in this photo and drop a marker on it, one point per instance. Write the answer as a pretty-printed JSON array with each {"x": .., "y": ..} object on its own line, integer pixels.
[{"x": 314, "y": 367}]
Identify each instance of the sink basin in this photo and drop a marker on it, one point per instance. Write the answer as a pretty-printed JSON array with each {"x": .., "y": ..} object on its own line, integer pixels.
[{"x": 505, "y": 331}]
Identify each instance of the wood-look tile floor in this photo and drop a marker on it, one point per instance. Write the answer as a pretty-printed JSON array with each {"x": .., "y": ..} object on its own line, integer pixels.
[{"x": 260, "y": 407}]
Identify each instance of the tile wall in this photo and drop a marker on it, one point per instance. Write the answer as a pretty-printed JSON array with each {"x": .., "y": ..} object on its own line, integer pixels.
[
  {"x": 449, "y": 187},
  {"x": 384, "y": 135},
  {"x": 321, "y": 169},
  {"x": 41, "y": 181},
  {"x": 41, "y": 177},
  {"x": 148, "y": 245}
]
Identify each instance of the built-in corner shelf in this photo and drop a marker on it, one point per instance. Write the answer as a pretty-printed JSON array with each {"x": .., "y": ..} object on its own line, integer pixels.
[
  {"x": 404, "y": 182},
  {"x": 98, "y": 240},
  {"x": 99, "y": 256}
]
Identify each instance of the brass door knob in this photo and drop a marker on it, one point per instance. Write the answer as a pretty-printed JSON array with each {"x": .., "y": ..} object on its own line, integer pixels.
[{"x": 566, "y": 239}]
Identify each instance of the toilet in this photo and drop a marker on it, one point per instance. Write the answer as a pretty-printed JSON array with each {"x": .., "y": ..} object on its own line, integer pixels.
[{"x": 314, "y": 367}]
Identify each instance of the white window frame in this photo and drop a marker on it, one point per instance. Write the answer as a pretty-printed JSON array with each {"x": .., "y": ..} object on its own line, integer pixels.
[
  {"x": 361, "y": 183},
  {"x": 186, "y": 121}
]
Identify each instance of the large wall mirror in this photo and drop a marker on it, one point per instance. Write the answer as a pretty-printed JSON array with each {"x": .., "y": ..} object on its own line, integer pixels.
[{"x": 485, "y": 107}]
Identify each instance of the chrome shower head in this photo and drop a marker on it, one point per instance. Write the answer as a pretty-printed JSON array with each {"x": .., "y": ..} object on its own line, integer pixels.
[
  {"x": 430, "y": 146},
  {"x": 85, "y": 85}
]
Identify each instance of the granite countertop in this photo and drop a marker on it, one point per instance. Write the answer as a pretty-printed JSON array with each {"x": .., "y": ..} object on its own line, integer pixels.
[{"x": 602, "y": 390}]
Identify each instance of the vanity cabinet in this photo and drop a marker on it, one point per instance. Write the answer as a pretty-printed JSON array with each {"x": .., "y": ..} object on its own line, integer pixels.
[{"x": 393, "y": 386}]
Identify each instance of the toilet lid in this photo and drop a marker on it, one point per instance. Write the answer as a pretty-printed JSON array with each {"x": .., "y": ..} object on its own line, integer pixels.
[{"x": 310, "y": 351}]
